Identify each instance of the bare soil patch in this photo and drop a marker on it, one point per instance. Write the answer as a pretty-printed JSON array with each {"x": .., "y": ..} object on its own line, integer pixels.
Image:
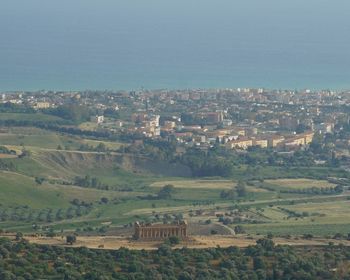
[
  {"x": 197, "y": 241},
  {"x": 7, "y": 156}
]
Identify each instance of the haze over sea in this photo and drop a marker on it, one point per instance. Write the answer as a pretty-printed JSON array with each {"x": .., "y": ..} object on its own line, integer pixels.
[{"x": 129, "y": 44}]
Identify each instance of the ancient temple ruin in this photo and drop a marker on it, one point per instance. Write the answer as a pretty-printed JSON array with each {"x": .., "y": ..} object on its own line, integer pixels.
[{"x": 160, "y": 231}]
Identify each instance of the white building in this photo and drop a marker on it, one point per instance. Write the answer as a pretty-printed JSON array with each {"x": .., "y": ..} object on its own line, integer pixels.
[{"x": 98, "y": 119}]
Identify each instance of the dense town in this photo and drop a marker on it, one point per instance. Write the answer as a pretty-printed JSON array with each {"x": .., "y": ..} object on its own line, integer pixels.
[{"x": 235, "y": 118}]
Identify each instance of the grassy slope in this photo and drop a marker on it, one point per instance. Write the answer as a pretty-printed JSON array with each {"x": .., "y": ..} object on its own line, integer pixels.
[
  {"x": 299, "y": 183},
  {"x": 17, "y": 189}
]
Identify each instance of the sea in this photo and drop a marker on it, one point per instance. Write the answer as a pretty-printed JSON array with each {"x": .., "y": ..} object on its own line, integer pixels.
[{"x": 174, "y": 44}]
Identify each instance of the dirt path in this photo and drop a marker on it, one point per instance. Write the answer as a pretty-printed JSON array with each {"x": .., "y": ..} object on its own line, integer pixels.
[{"x": 115, "y": 242}]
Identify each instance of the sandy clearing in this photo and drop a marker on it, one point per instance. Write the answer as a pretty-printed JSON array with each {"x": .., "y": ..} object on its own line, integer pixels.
[
  {"x": 224, "y": 241},
  {"x": 7, "y": 156}
]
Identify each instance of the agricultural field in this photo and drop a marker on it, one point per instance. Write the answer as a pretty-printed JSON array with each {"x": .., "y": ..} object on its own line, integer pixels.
[
  {"x": 197, "y": 184},
  {"x": 203, "y": 185},
  {"x": 107, "y": 144},
  {"x": 29, "y": 117},
  {"x": 91, "y": 126},
  {"x": 299, "y": 183},
  {"x": 56, "y": 185},
  {"x": 317, "y": 218}
]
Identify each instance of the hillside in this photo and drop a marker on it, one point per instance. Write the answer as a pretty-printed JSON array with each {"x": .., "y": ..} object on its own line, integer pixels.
[{"x": 62, "y": 182}]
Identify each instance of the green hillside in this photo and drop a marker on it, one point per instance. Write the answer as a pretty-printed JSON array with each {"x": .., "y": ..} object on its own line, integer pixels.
[
  {"x": 18, "y": 189},
  {"x": 62, "y": 182}
]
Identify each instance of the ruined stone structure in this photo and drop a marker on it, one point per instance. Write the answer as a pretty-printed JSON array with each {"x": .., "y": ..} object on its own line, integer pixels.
[{"x": 160, "y": 231}]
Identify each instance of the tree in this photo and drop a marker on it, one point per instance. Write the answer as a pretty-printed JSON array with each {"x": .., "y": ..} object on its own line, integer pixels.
[
  {"x": 101, "y": 147},
  {"x": 173, "y": 240},
  {"x": 266, "y": 243},
  {"x": 73, "y": 112},
  {"x": 317, "y": 140},
  {"x": 39, "y": 180},
  {"x": 19, "y": 236},
  {"x": 230, "y": 194},
  {"x": 239, "y": 229},
  {"x": 339, "y": 189},
  {"x": 70, "y": 239},
  {"x": 241, "y": 189},
  {"x": 259, "y": 263},
  {"x": 166, "y": 192},
  {"x": 185, "y": 276}
]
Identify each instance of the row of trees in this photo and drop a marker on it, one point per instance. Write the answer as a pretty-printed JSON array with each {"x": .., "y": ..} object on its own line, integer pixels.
[
  {"x": 89, "y": 182},
  {"x": 71, "y": 112},
  {"x": 27, "y": 214},
  {"x": 9, "y": 107},
  {"x": 206, "y": 164},
  {"x": 315, "y": 190},
  {"x": 4, "y": 150}
]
